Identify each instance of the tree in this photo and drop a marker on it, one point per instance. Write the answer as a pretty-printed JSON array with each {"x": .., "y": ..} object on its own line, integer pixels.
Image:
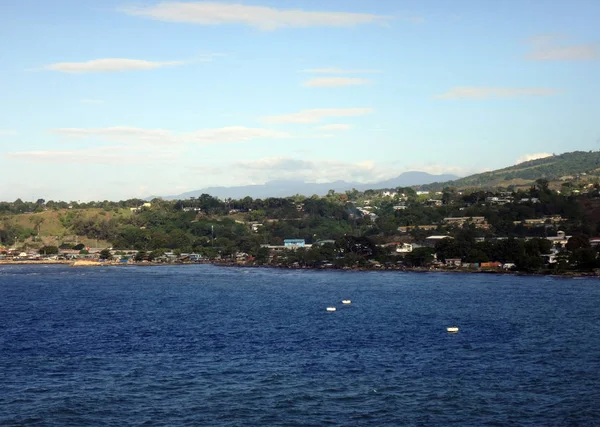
[
  {"x": 262, "y": 256},
  {"x": 48, "y": 250},
  {"x": 583, "y": 258},
  {"x": 542, "y": 184},
  {"x": 37, "y": 222},
  {"x": 140, "y": 256},
  {"x": 361, "y": 246},
  {"x": 419, "y": 257},
  {"x": 105, "y": 254},
  {"x": 578, "y": 242},
  {"x": 155, "y": 254}
]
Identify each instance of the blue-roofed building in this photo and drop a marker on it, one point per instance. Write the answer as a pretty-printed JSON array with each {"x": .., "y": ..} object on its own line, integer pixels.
[{"x": 294, "y": 243}]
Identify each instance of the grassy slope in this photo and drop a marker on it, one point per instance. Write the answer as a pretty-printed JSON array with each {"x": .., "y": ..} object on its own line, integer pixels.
[{"x": 51, "y": 227}]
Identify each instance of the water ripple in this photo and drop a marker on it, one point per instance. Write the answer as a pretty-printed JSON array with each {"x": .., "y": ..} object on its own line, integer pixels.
[{"x": 200, "y": 345}]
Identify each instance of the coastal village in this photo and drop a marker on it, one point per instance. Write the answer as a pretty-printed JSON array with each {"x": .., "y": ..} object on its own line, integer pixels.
[{"x": 401, "y": 229}]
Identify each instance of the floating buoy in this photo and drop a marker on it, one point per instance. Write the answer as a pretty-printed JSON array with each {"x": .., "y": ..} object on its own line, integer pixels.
[
  {"x": 452, "y": 329},
  {"x": 330, "y": 308},
  {"x": 346, "y": 301}
]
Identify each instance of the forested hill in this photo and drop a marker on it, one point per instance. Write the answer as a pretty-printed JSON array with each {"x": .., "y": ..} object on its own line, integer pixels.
[{"x": 552, "y": 168}]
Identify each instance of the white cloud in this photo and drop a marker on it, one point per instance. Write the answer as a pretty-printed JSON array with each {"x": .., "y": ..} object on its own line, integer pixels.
[
  {"x": 161, "y": 136},
  {"x": 548, "y": 48},
  {"x": 8, "y": 132},
  {"x": 534, "y": 156},
  {"x": 317, "y": 115},
  {"x": 92, "y": 101},
  {"x": 310, "y": 170},
  {"x": 108, "y": 65},
  {"x": 339, "y": 126},
  {"x": 336, "y": 82},
  {"x": 467, "y": 92},
  {"x": 262, "y": 17},
  {"x": 338, "y": 71}
]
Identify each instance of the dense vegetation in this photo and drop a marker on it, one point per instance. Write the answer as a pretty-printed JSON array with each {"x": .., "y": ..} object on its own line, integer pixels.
[{"x": 357, "y": 227}]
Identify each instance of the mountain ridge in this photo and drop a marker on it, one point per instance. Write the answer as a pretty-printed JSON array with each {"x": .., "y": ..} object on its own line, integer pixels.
[{"x": 286, "y": 188}]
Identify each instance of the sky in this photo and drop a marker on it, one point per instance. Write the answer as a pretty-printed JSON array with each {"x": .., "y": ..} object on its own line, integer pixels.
[{"x": 119, "y": 99}]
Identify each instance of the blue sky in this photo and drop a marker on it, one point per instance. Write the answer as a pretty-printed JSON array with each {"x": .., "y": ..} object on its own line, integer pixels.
[{"x": 119, "y": 99}]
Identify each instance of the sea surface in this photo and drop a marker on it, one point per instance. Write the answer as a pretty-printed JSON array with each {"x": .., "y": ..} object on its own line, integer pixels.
[{"x": 202, "y": 345}]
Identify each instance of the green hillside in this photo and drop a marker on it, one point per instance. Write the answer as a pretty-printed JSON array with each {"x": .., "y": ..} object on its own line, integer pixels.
[{"x": 563, "y": 167}]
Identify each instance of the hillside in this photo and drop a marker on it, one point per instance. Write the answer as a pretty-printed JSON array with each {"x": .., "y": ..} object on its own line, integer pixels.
[
  {"x": 51, "y": 227},
  {"x": 563, "y": 167}
]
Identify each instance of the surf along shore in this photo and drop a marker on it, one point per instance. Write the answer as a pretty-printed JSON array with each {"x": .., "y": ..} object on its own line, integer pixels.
[{"x": 440, "y": 269}]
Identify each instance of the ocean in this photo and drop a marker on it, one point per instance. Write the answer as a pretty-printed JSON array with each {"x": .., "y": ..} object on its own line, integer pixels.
[{"x": 202, "y": 345}]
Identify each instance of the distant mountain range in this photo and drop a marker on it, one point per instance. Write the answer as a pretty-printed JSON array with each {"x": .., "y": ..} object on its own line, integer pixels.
[
  {"x": 552, "y": 168},
  {"x": 290, "y": 187}
]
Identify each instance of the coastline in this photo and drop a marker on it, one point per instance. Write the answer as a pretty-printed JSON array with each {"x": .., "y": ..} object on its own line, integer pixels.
[{"x": 92, "y": 263}]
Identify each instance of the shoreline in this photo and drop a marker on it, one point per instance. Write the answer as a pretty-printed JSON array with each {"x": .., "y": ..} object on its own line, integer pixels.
[{"x": 91, "y": 263}]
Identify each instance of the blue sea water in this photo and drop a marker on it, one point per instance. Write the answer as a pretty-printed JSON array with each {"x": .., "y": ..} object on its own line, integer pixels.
[{"x": 203, "y": 345}]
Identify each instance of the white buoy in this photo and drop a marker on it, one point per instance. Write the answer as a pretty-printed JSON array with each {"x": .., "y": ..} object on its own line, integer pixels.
[
  {"x": 452, "y": 329},
  {"x": 346, "y": 301},
  {"x": 330, "y": 308}
]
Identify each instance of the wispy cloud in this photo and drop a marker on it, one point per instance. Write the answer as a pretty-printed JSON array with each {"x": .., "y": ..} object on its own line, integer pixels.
[
  {"x": 317, "y": 115},
  {"x": 367, "y": 171},
  {"x": 262, "y": 17},
  {"x": 336, "y": 82},
  {"x": 338, "y": 71},
  {"x": 310, "y": 170},
  {"x": 8, "y": 132},
  {"x": 551, "y": 47},
  {"x": 466, "y": 92},
  {"x": 108, "y": 65},
  {"x": 92, "y": 101},
  {"x": 94, "y": 155},
  {"x": 333, "y": 126},
  {"x": 127, "y": 134},
  {"x": 534, "y": 156}
]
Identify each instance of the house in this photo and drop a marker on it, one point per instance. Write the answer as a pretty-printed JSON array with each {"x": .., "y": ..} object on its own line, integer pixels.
[
  {"x": 453, "y": 262},
  {"x": 389, "y": 194},
  {"x": 255, "y": 227},
  {"x": 139, "y": 208},
  {"x": 407, "y": 228},
  {"x": 294, "y": 243},
  {"x": 595, "y": 241},
  {"x": 560, "y": 239},
  {"x": 400, "y": 248},
  {"x": 404, "y": 248},
  {"x": 493, "y": 264},
  {"x": 478, "y": 221},
  {"x": 399, "y": 207},
  {"x": 460, "y": 220}
]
